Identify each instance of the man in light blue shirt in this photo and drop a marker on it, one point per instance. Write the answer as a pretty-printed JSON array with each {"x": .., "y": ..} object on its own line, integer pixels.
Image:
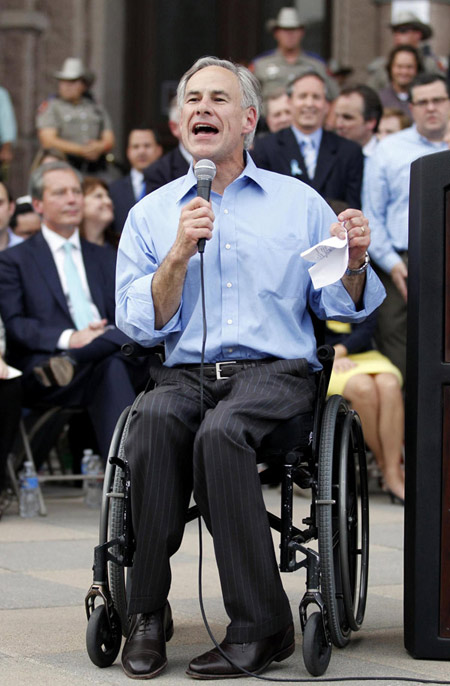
[
  {"x": 8, "y": 127},
  {"x": 257, "y": 290},
  {"x": 386, "y": 196}
]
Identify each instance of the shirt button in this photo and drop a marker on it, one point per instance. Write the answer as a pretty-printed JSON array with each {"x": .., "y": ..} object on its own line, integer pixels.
[
  {"x": 227, "y": 246},
  {"x": 229, "y": 284},
  {"x": 229, "y": 321},
  {"x": 225, "y": 211}
]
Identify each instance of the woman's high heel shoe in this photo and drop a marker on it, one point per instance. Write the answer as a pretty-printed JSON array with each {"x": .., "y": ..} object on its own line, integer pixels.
[{"x": 395, "y": 499}]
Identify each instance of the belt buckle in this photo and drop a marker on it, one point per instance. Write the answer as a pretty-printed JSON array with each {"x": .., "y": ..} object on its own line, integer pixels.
[{"x": 219, "y": 369}]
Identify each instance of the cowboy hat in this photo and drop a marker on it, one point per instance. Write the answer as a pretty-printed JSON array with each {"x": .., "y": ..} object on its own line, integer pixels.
[
  {"x": 287, "y": 18},
  {"x": 408, "y": 19},
  {"x": 72, "y": 70}
]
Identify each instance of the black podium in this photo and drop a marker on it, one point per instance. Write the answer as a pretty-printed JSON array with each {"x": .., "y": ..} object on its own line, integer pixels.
[{"x": 427, "y": 510}]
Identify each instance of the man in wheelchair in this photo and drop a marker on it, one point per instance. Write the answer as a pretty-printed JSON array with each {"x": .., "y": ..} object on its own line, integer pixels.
[{"x": 259, "y": 364}]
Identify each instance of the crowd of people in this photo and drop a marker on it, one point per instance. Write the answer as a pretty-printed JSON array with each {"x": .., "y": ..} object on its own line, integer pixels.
[
  {"x": 89, "y": 261},
  {"x": 317, "y": 126}
]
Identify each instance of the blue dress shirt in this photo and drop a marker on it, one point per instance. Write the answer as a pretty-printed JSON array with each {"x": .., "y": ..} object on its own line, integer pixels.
[
  {"x": 8, "y": 126},
  {"x": 386, "y": 192},
  {"x": 257, "y": 285},
  {"x": 13, "y": 239}
]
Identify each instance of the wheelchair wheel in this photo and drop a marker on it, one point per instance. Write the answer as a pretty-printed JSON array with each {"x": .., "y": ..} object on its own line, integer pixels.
[
  {"x": 118, "y": 573},
  {"x": 316, "y": 649},
  {"x": 103, "y": 639},
  {"x": 343, "y": 524}
]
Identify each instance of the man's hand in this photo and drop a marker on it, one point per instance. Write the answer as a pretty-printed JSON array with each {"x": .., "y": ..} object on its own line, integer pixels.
[
  {"x": 3, "y": 369},
  {"x": 196, "y": 221},
  {"x": 358, "y": 235},
  {"x": 399, "y": 275},
  {"x": 92, "y": 150},
  {"x": 85, "y": 336}
]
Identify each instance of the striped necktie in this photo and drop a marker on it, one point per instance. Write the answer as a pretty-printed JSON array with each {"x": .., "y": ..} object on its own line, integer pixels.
[
  {"x": 309, "y": 155},
  {"x": 143, "y": 191},
  {"x": 80, "y": 306}
]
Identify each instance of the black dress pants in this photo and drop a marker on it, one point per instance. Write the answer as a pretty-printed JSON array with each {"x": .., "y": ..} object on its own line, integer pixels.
[{"x": 170, "y": 453}]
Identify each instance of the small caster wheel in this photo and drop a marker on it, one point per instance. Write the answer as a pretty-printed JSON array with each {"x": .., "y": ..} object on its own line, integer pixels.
[
  {"x": 102, "y": 640},
  {"x": 316, "y": 647}
]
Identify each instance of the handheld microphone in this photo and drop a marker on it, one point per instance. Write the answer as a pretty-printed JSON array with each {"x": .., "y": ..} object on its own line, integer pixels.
[{"x": 204, "y": 171}]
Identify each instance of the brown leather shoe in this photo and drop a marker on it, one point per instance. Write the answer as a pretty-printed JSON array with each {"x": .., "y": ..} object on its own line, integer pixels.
[
  {"x": 56, "y": 371},
  {"x": 254, "y": 657},
  {"x": 144, "y": 652}
]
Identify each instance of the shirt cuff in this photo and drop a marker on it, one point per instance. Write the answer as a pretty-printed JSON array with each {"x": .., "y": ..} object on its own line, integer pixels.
[
  {"x": 64, "y": 339},
  {"x": 136, "y": 317}
]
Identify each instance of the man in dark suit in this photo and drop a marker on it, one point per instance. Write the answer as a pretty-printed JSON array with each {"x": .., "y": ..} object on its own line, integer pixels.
[
  {"x": 143, "y": 149},
  {"x": 57, "y": 305},
  {"x": 173, "y": 164},
  {"x": 332, "y": 165}
]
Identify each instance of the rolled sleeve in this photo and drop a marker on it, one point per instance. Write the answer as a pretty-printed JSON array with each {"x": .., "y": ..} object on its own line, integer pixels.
[
  {"x": 135, "y": 313},
  {"x": 334, "y": 301}
]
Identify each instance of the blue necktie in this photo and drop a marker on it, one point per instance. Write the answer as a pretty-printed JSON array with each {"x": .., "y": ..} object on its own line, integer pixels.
[
  {"x": 143, "y": 192},
  {"x": 80, "y": 305},
  {"x": 309, "y": 155}
]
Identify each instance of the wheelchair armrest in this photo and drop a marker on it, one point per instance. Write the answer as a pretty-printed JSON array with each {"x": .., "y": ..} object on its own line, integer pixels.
[{"x": 325, "y": 355}]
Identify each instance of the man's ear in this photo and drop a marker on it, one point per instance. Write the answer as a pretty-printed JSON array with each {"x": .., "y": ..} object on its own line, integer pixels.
[
  {"x": 250, "y": 120},
  {"x": 37, "y": 206}
]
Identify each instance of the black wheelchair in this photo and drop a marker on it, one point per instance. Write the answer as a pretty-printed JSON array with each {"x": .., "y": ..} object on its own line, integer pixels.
[{"x": 323, "y": 451}]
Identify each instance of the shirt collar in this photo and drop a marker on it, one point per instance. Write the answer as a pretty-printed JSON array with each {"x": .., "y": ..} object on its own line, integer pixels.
[
  {"x": 315, "y": 137},
  {"x": 250, "y": 171},
  {"x": 136, "y": 175},
  {"x": 55, "y": 241},
  {"x": 370, "y": 147},
  {"x": 437, "y": 145},
  {"x": 12, "y": 238}
]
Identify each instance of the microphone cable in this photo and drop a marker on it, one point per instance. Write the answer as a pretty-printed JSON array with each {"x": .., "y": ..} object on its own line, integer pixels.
[{"x": 200, "y": 555}]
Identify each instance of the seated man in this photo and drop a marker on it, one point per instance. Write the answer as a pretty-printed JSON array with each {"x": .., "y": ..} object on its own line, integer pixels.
[
  {"x": 257, "y": 293},
  {"x": 57, "y": 295}
]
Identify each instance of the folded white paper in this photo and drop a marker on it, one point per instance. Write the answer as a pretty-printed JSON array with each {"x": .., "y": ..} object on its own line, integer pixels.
[
  {"x": 331, "y": 260},
  {"x": 13, "y": 372}
]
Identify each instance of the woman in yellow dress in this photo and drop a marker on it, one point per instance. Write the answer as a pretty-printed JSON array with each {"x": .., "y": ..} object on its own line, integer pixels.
[{"x": 372, "y": 384}]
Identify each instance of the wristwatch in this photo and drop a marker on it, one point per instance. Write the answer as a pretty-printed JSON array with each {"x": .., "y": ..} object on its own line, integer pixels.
[{"x": 361, "y": 269}]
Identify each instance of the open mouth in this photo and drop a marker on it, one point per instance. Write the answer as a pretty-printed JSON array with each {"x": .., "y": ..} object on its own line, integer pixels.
[{"x": 206, "y": 129}]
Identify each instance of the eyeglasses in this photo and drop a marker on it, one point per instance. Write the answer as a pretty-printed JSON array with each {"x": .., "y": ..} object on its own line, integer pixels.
[{"x": 431, "y": 101}]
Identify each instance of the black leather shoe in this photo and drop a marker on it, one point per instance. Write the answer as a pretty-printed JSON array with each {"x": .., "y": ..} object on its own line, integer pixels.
[
  {"x": 144, "y": 652},
  {"x": 56, "y": 371},
  {"x": 254, "y": 657}
]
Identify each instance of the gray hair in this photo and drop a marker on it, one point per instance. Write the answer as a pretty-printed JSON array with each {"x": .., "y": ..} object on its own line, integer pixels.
[
  {"x": 308, "y": 71},
  {"x": 37, "y": 178},
  {"x": 249, "y": 85}
]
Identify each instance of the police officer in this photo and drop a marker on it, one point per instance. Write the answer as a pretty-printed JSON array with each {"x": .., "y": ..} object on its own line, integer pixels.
[
  {"x": 74, "y": 123},
  {"x": 276, "y": 69}
]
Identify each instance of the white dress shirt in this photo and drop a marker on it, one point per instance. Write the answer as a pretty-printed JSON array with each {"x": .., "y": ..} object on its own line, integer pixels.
[{"x": 56, "y": 244}]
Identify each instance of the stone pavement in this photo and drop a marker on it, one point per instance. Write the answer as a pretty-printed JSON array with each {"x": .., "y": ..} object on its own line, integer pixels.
[{"x": 45, "y": 572}]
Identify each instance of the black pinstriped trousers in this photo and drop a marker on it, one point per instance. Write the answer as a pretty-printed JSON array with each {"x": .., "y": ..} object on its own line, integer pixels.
[{"x": 170, "y": 453}]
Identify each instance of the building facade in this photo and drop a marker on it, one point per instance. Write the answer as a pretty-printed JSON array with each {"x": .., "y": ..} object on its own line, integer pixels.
[{"x": 139, "y": 48}]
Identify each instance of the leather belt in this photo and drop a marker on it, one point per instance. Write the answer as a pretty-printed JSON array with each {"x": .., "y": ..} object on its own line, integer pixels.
[{"x": 227, "y": 368}]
